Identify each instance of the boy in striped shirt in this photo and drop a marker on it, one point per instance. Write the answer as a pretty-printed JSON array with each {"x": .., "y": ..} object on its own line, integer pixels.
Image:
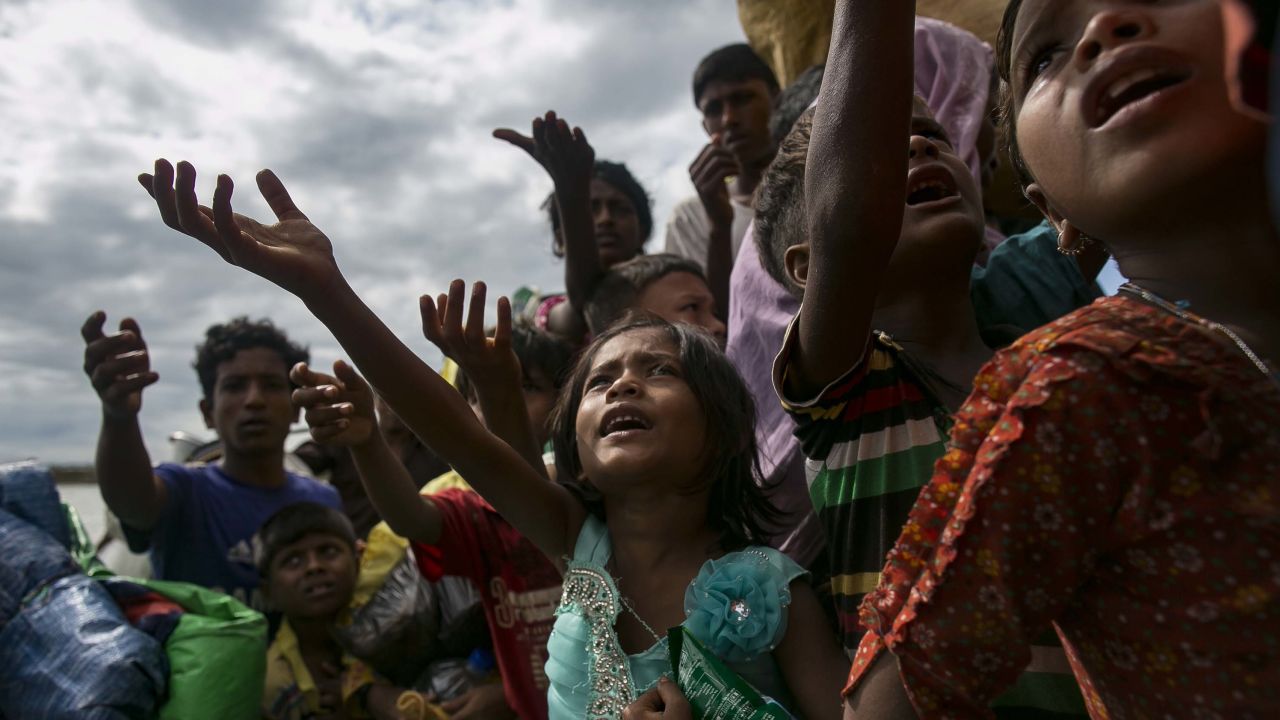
[{"x": 886, "y": 342}]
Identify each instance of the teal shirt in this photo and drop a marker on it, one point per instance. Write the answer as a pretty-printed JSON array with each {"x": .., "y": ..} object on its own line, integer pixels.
[
  {"x": 1027, "y": 283},
  {"x": 590, "y": 676}
]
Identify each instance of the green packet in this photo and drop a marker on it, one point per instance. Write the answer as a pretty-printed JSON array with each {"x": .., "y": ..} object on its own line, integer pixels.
[{"x": 714, "y": 691}]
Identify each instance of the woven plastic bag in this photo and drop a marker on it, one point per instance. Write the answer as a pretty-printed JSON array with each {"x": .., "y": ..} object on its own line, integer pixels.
[
  {"x": 66, "y": 650},
  {"x": 217, "y": 653}
]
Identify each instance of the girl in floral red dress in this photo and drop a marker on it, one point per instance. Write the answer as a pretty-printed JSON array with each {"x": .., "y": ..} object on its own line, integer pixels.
[{"x": 1115, "y": 473}]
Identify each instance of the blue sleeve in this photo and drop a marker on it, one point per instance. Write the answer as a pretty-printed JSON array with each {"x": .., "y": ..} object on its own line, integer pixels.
[{"x": 177, "y": 482}]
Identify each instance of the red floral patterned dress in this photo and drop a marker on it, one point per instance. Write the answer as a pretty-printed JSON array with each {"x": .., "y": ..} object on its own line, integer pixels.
[{"x": 1116, "y": 474}]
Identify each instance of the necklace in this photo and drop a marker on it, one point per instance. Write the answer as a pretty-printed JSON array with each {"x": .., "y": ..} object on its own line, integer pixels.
[
  {"x": 626, "y": 604},
  {"x": 1179, "y": 310}
]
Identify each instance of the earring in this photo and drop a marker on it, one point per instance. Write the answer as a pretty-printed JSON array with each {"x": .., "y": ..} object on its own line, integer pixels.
[{"x": 1084, "y": 242}]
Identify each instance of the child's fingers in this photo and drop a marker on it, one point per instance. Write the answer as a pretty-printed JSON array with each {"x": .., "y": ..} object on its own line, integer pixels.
[
  {"x": 162, "y": 193},
  {"x": 350, "y": 379},
  {"x": 673, "y": 700},
  {"x": 451, "y": 328},
  {"x": 132, "y": 384},
  {"x": 148, "y": 181},
  {"x": 328, "y": 433},
  {"x": 475, "y": 315},
  {"x": 524, "y": 142},
  {"x": 185, "y": 204},
  {"x": 309, "y": 397},
  {"x": 224, "y": 221},
  {"x": 431, "y": 317},
  {"x": 91, "y": 330},
  {"x": 110, "y": 371},
  {"x": 502, "y": 331},
  {"x": 130, "y": 325},
  {"x": 323, "y": 415},
  {"x": 304, "y": 376},
  {"x": 100, "y": 350},
  {"x": 277, "y": 197}
]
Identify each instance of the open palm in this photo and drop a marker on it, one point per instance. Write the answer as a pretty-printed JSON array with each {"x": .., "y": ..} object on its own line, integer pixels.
[{"x": 292, "y": 253}]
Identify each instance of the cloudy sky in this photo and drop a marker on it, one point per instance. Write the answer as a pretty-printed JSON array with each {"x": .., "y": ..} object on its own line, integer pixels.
[{"x": 375, "y": 113}]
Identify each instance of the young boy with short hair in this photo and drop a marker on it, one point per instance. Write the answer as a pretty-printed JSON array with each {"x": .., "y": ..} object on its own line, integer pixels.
[
  {"x": 198, "y": 519},
  {"x": 307, "y": 557},
  {"x": 666, "y": 285},
  {"x": 453, "y": 530}
]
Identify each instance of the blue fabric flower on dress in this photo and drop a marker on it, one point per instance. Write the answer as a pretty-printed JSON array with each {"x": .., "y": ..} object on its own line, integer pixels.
[{"x": 737, "y": 606}]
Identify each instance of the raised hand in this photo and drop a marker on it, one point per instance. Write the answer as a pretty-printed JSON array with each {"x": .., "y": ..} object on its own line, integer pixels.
[
  {"x": 486, "y": 360},
  {"x": 710, "y": 173},
  {"x": 292, "y": 253},
  {"x": 565, "y": 154},
  {"x": 339, "y": 408},
  {"x": 118, "y": 366}
]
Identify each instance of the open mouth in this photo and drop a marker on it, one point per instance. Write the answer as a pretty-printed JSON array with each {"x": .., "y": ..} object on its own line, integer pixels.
[
  {"x": 624, "y": 420},
  {"x": 1133, "y": 88},
  {"x": 319, "y": 590},
  {"x": 930, "y": 184}
]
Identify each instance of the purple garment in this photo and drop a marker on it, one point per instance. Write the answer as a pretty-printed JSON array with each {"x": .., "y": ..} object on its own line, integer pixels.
[{"x": 953, "y": 75}]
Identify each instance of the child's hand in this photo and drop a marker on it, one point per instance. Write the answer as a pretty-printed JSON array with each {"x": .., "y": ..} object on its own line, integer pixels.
[
  {"x": 710, "y": 174},
  {"x": 486, "y": 360},
  {"x": 661, "y": 701},
  {"x": 292, "y": 253},
  {"x": 481, "y": 702},
  {"x": 565, "y": 154},
  {"x": 118, "y": 366},
  {"x": 339, "y": 408}
]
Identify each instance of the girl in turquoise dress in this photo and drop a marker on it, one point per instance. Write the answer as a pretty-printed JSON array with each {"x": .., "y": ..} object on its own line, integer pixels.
[{"x": 656, "y": 519}]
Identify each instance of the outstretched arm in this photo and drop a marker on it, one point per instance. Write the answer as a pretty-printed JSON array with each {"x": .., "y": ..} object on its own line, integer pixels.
[
  {"x": 490, "y": 363},
  {"x": 570, "y": 161},
  {"x": 295, "y": 255},
  {"x": 119, "y": 368},
  {"x": 855, "y": 182},
  {"x": 339, "y": 409}
]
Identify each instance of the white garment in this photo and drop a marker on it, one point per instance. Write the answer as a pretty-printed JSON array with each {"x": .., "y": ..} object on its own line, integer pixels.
[{"x": 689, "y": 230}]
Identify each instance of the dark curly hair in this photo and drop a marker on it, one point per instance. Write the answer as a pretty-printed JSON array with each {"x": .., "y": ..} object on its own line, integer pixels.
[
  {"x": 223, "y": 340},
  {"x": 739, "y": 507},
  {"x": 617, "y": 175}
]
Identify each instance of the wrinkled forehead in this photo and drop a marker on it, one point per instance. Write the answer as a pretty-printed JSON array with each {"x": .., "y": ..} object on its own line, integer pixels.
[{"x": 641, "y": 342}]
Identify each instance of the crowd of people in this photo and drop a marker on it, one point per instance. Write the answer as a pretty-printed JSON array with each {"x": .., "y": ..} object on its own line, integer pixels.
[{"x": 882, "y": 452}]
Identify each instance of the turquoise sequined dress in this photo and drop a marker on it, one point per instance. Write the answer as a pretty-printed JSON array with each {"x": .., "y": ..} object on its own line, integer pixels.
[{"x": 737, "y": 607}]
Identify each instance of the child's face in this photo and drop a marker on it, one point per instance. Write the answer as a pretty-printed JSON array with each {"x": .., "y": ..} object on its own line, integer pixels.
[
  {"x": 616, "y": 224},
  {"x": 943, "y": 216},
  {"x": 1122, "y": 112},
  {"x": 312, "y": 578},
  {"x": 638, "y": 416},
  {"x": 252, "y": 407},
  {"x": 540, "y": 395},
  {"x": 682, "y": 297}
]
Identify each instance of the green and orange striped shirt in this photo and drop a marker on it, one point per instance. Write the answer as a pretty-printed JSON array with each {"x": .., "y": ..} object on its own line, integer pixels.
[{"x": 870, "y": 441}]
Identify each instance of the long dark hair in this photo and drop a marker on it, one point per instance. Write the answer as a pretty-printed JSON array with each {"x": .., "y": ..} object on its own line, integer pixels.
[
  {"x": 1007, "y": 105},
  {"x": 738, "y": 508}
]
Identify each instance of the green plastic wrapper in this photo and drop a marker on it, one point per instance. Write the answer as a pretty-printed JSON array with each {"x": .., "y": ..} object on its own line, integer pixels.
[
  {"x": 217, "y": 653},
  {"x": 714, "y": 691}
]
